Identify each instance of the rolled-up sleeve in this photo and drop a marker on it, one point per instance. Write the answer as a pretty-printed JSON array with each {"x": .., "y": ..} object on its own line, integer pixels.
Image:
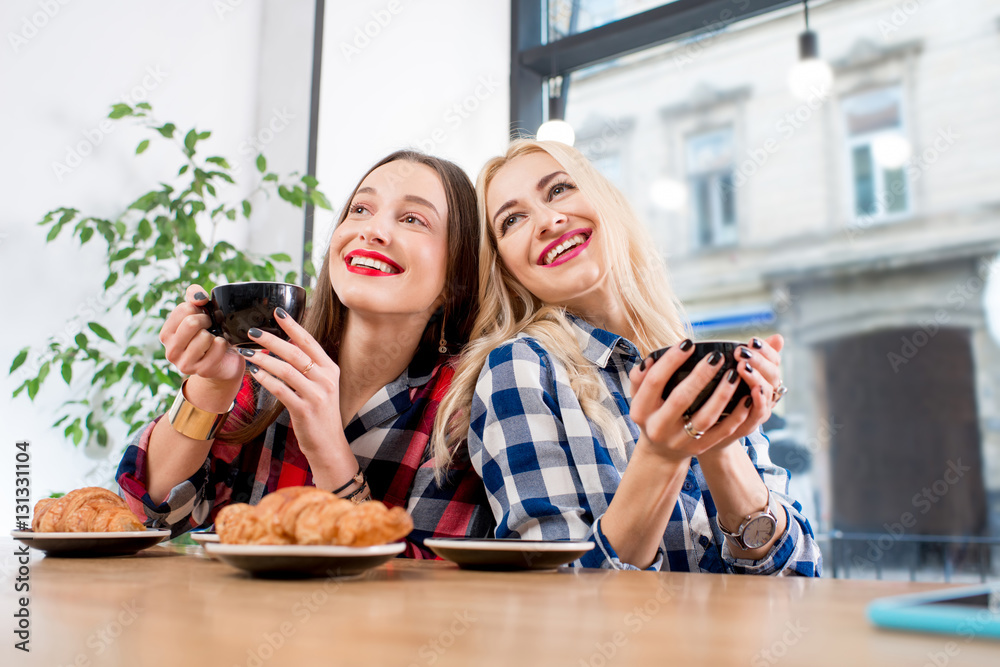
[
  {"x": 184, "y": 507},
  {"x": 547, "y": 475},
  {"x": 796, "y": 552}
]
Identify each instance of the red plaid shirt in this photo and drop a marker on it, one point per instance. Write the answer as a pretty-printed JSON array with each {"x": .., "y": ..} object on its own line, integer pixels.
[{"x": 389, "y": 436}]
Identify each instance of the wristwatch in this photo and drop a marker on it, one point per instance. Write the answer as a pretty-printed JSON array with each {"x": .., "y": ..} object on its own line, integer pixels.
[{"x": 757, "y": 529}]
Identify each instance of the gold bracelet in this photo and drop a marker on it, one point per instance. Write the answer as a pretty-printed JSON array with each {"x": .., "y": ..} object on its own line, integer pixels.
[
  {"x": 360, "y": 495},
  {"x": 193, "y": 422}
]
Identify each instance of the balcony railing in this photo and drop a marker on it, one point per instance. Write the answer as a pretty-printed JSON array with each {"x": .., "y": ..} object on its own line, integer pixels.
[{"x": 916, "y": 557}]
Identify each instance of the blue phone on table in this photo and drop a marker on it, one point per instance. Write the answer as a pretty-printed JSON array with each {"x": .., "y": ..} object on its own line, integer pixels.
[{"x": 969, "y": 611}]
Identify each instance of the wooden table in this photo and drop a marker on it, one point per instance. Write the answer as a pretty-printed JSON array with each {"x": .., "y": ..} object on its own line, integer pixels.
[{"x": 173, "y": 606}]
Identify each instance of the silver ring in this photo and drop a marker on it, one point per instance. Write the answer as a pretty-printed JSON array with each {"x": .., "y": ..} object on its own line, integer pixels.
[
  {"x": 779, "y": 391},
  {"x": 691, "y": 430}
]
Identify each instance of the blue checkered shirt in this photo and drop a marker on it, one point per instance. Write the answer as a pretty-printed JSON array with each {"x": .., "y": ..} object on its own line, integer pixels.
[{"x": 551, "y": 475}]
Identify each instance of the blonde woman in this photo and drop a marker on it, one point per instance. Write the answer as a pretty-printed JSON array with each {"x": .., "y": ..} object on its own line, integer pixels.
[{"x": 567, "y": 425}]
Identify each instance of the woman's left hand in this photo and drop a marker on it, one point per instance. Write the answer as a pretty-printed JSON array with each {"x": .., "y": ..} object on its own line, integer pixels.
[
  {"x": 301, "y": 375},
  {"x": 761, "y": 371}
]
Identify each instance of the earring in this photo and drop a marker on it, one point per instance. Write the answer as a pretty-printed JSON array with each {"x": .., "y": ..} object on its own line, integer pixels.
[{"x": 443, "y": 344}]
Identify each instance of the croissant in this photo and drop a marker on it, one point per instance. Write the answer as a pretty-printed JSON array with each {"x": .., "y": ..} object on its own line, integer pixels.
[
  {"x": 307, "y": 515},
  {"x": 87, "y": 510}
]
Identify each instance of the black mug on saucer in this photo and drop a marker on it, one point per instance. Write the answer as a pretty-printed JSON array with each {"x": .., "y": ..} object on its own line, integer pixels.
[
  {"x": 238, "y": 307},
  {"x": 728, "y": 350}
]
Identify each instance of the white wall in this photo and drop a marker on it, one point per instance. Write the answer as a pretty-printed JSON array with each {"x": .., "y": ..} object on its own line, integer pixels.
[
  {"x": 198, "y": 64},
  {"x": 230, "y": 66},
  {"x": 426, "y": 74}
]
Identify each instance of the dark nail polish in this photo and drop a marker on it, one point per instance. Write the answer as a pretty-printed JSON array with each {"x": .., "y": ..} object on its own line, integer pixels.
[
  {"x": 714, "y": 358},
  {"x": 253, "y": 369},
  {"x": 686, "y": 345},
  {"x": 745, "y": 353},
  {"x": 757, "y": 344},
  {"x": 748, "y": 367},
  {"x": 733, "y": 376},
  {"x": 245, "y": 352},
  {"x": 749, "y": 401},
  {"x": 255, "y": 332},
  {"x": 642, "y": 366},
  {"x": 280, "y": 312},
  {"x": 200, "y": 296}
]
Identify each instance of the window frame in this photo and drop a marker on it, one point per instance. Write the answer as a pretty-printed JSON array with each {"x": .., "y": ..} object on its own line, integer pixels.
[
  {"x": 852, "y": 142},
  {"x": 534, "y": 60}
]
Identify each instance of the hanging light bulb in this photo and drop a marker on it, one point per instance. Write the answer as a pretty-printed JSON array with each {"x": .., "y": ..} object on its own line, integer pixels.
[
  {"x": 555, "y": 128},
  {"x": 891, "y": 151},
  {"x": 810, "y": 77},
  {"x": 668, "y": 194}
]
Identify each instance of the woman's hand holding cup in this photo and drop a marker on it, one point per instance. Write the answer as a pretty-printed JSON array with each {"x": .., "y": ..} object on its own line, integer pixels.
[{"x": 190, "y": 347}]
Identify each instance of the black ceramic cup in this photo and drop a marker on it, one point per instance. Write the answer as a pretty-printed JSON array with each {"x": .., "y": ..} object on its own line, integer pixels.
[
  {"x": 238, "y": 307},
  {"x": 729, "y": 362}
]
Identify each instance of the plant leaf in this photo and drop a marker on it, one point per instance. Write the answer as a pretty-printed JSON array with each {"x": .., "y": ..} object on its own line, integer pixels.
[
  {"x": 120, "y": 110},
  {"x": 261, "y": 163},
  {"x": 143, "y": 145},
  {"x": 101, "y": 332},
  {"x": 19, "y": 360},
  {"x": 167, "y": 130}
]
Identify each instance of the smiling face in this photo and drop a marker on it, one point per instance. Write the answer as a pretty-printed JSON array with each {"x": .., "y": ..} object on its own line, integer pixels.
[
  {"x": 547, "y": 232},
  {"x": 389, "y": 255}
]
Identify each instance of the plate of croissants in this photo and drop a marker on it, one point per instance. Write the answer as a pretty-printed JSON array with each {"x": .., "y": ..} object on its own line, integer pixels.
[
  {"x": 302, "y": 531},
  {"x": 87, "y": 522}
]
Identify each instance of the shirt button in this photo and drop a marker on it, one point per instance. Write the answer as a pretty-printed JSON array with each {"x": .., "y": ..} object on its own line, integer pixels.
[
  {"x": 688, "y": 485},
  {"x": 703, "y": 541}
]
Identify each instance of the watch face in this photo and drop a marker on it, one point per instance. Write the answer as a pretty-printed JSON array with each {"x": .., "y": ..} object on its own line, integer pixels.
[{"x": 758, "y": 531}]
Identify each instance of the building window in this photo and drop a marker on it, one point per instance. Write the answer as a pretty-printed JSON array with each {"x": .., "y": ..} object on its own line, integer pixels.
[
  {"x": 710, "y": 175},
  {"x": 877, "y": 151}
]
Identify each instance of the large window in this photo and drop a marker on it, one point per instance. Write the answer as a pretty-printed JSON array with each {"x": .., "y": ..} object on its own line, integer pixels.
[
  {"x": 710, "y": 174},
  {"x": 877, "y": 149}
]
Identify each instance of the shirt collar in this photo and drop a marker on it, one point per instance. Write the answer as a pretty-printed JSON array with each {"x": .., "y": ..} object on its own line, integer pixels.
[{"x": 596, "y": 344}]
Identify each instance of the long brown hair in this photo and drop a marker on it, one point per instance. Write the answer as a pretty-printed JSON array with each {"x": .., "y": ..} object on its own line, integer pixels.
[{"x": 326, "y": 316}]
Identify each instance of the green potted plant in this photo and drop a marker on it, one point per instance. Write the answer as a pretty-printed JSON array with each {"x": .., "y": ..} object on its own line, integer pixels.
[{"x": 154, "y": 250}]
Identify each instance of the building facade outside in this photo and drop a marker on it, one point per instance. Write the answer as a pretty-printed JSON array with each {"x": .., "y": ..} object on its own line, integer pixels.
[{"x": 862, "y": 223}]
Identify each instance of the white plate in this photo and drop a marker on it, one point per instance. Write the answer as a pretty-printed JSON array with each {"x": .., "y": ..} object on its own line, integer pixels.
[
  {"x": 264, "y": 560},
  {"x": 508, "y": 553},
  {"x": 91, "y": 544},
  {"x": 204, "y": 538}
]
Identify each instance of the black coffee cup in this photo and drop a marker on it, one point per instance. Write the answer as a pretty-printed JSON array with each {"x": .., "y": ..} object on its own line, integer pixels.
[
  {"x": 729, "y": 362},
  {"x": 238, "y": 307}
]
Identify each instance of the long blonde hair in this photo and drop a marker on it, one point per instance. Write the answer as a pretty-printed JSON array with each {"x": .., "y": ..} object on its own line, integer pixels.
[{"x": 507, "y": 309}]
